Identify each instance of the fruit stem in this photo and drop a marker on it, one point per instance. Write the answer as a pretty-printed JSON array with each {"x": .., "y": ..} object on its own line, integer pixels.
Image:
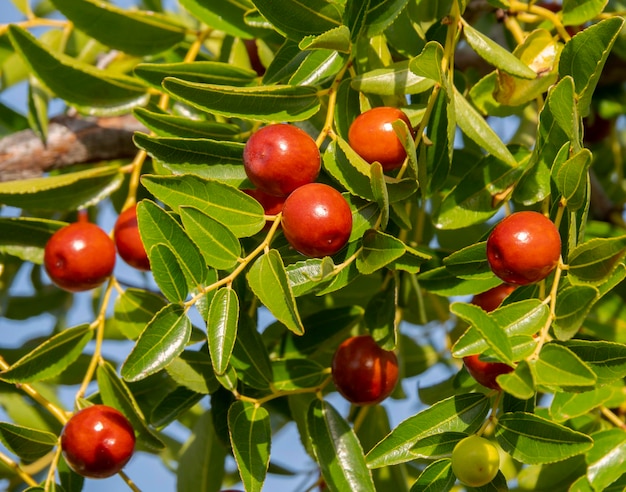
[
  {"x": 360, "y": 417},
  {"x": 493, "y": 417},
  {"x": 53, "y": 466},
  {"x": 517, "y": 6},
  {"x": 26, "y": 478},
  {"x": 332, "y": 102},
  {"x": 129, "y": 482},
  {"x": 543, "y": 337},
  {"x": 611, "y": 417}
]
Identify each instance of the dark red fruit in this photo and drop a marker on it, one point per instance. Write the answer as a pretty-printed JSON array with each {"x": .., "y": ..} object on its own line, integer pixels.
[
  {"x": 485, "y": 372},
  {"x": 272, "y": 205},
  {"x": 79, "y": 257},
  {"x": 280, "y": 158},
  {"x": 253, "y": 54},
  {"x": 97, "y": 441},
  {"x": 363, "y": 372},
  {"x": 524, "y": 248},
  {"x": 317, "y": 220},
  {"x": 127, "y": 240},
  {"x": 492, "y": 298},
  {"x": 372, "y": 136}
]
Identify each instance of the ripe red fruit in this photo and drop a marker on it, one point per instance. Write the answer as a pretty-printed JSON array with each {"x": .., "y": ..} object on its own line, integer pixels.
[
  {"x": 97, "y": 441},
  {"x": 484, "y": 372},
  {"x": 363, "y": 372},
  {"x": 372, "y": 136},
  {"x": 79, "y": 257},
  {"x": 317, "y": 220},
  {"x": 127, "y": 240},
  {"x": 272, "y": 205},
  {"x": 524, "y": 248},
  {"x": 492, "y": 298},
  {"x": 280, "y": 158}
]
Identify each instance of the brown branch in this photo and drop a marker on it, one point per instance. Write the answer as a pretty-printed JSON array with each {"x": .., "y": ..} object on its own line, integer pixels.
[{"x": 71, "y": 140}]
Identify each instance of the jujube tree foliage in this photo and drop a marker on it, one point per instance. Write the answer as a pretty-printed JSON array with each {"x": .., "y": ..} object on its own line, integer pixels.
[{"x": 509, "y": 106}]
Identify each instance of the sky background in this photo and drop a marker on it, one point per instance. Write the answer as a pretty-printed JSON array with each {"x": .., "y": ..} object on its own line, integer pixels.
[{"x": 145, "y": 470}]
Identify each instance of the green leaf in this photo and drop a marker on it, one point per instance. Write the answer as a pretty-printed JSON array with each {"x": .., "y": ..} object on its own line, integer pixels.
[
  {"x": 428, "y": 63},
  {"x": 606, "y": 359},
  {"x": 519, "y": 383},
  {"x": 578, "y": 12},
  {"x": 566, "y": 406},
  {"x": 174, "y": 405},
  {"x": 64, "y": 191},
  {"x": 606, "y": 459},
  {"x": 476, "y": 128},
  {"x": 156, "y": 226},
  {"x": 584, "y": 57},
  {"x": 250, "y": 358},
  {"x": 379, "y": 249},
  {"x": 296, "y": 374},
  {"x": 395, "y": 80},
  {"x": 268, "y": 280},
  {"x": 216, "y": 242},
  {"x": 134, "y": 309},
  {"x": 79, "y": 84},
  {"x": 336, "y": 39},
  {"x": 250, "y": 436},
  {"x": 493, "y": 334},
  {"x": 201, "y": 459},
  {"x": 207, "y": 72},
  {"x": 51, "y": 357},
  {"x": 380, "y": 316},
  {"x": 193, "y": 369},
  {"x": 572, "y": 179},
  {"x": 222, "y": 327},
  {"x": 305, "y": 276},
  {"x": 168, "y": 125},
  {"x": 594, "y": 260},
  {"x": 26, "y": 237},
  {"x": 337, "y": 449},
  {"x": 572, "y": 307},
  {"x": 242, "y": 214},
  {"x": 436, "y": 477},
  {"x": 562, "y": 101},
  {"x": 495, "y": 54},
  {"x": 161, "y": 341},
  {"x": 441, "y": 281},
  {"x": 116, "y": 394},
  {"x": 469, "y": 262},
  {"x": 151, "y": 32},
  {"x": 534, "y": 440},
  {"x": 226, "y": 15},
  {"x": 29, "y": 444},
  {"x": 559, "y": 366},
  {"x": 296, "y": 19},
  {"x": 167, "y": 272},
  {"x": 317, "y": 67},
  {"x": 458, "y": 413},
  {"x": 274, "y": 103}
]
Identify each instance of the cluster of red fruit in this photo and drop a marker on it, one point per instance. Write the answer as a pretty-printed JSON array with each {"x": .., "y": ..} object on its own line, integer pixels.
[{"x": 70, "y": 252}]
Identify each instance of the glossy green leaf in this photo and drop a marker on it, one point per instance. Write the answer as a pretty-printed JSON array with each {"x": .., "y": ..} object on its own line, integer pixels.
[
  {"x": 380, "y": 192},
  {"x": 268, "y": 280},
  {"x": 26, "y": 237},
  {"x": 161, "y": 341},
  {"x": 250, "y": 436},
  {"x": 134, "y": 309},
  {"x": 51, "y": 357},
  {"x": 227, "y": 16},
  {"x": 151, "y": 32},
  {"x": 379, "y": 249},
  {"x": 495, "y": 54},
  {"x": 562, "y": 101},
  {"x": 174, "y": 405},
  {"x": 193, "y": 369},
  {"x": 296, "y": 19},
  {"x": 437, "y": 476},
  {"x": 578, "y": 12},
  {"x": 606, "y": 359},
  {"x": 274, "y": 103},
  {"x": 168, "y": 273},
  {"x": 250, "y": 358},
  {"x": 29, "y": 444},
  {"x": 469, "y": 262},
  {"x": 436, "y": 159},
  {"x": 218, "y": 245},
  {"x": 207, "y": 72},
  {"x": 572, "y": 307},
  {"x": 534, "y": 440},
  {"x": 584, "y": 57},
  {"x": 168, "y": 125},
  {"x": 565, "y": 406},
  {"x": 296, "y": 374},
  {"x": 156, "y": 226},
  {"x": 317, "y": 67},
  {"x": 572, "y": 179},
  {"x": 441, "y": 281},
  {"x": 239, "y": 212},
  {"x": 395, "y": 80},
  {"x": 305, "y": 276},
  {"x": 559, "y": 366},
  {"x": 475, "y": 127},
  {"x": 337, "y": 449},
  {"x": 428, "y": 63},
  {"x": 77, "y": 83},
  {"x": 607, "y": 457},
  {"x": 459, "y": 413},
  {"x": 519, "y": 383},
  {"x": 115, "y": 393},
  {"x": 201, "y": 459},
  {"x": 222, "y": 327},
  {"x": 64, "y": 191},
  {"x": 380, "y": 316},
  {"x": 496, "y": 338},
  {"x": 336, "y": 39},
  {"x": 594, "y": 260}
]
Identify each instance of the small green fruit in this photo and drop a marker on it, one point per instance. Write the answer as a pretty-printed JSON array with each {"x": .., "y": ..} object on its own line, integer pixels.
[{"x": 475, "y": 461}]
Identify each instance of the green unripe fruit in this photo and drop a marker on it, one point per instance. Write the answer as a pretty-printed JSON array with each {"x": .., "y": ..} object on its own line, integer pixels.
[{"x": 475, "y": 461}]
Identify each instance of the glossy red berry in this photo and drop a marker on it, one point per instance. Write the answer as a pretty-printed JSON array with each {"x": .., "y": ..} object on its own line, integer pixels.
[
  {"x": 79, "y": 257},
  {"x": 272, "y": 205},
  {"x": 317, "y": 220},
  {"x": 372, "y": 136},
  {"x": 524, "y": 248},
  {"x": 128, "y": 241},
  {"x": 363, "y": 372},
  {"x": 280, "y": 158},
  {"x": 492, "y": 298},
  {"x": 484, "y": 372},
  {"x": 97, "y": 441}
]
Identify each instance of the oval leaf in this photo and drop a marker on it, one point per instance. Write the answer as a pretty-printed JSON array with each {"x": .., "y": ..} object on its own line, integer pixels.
[{"x": 222, "y": 327}]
